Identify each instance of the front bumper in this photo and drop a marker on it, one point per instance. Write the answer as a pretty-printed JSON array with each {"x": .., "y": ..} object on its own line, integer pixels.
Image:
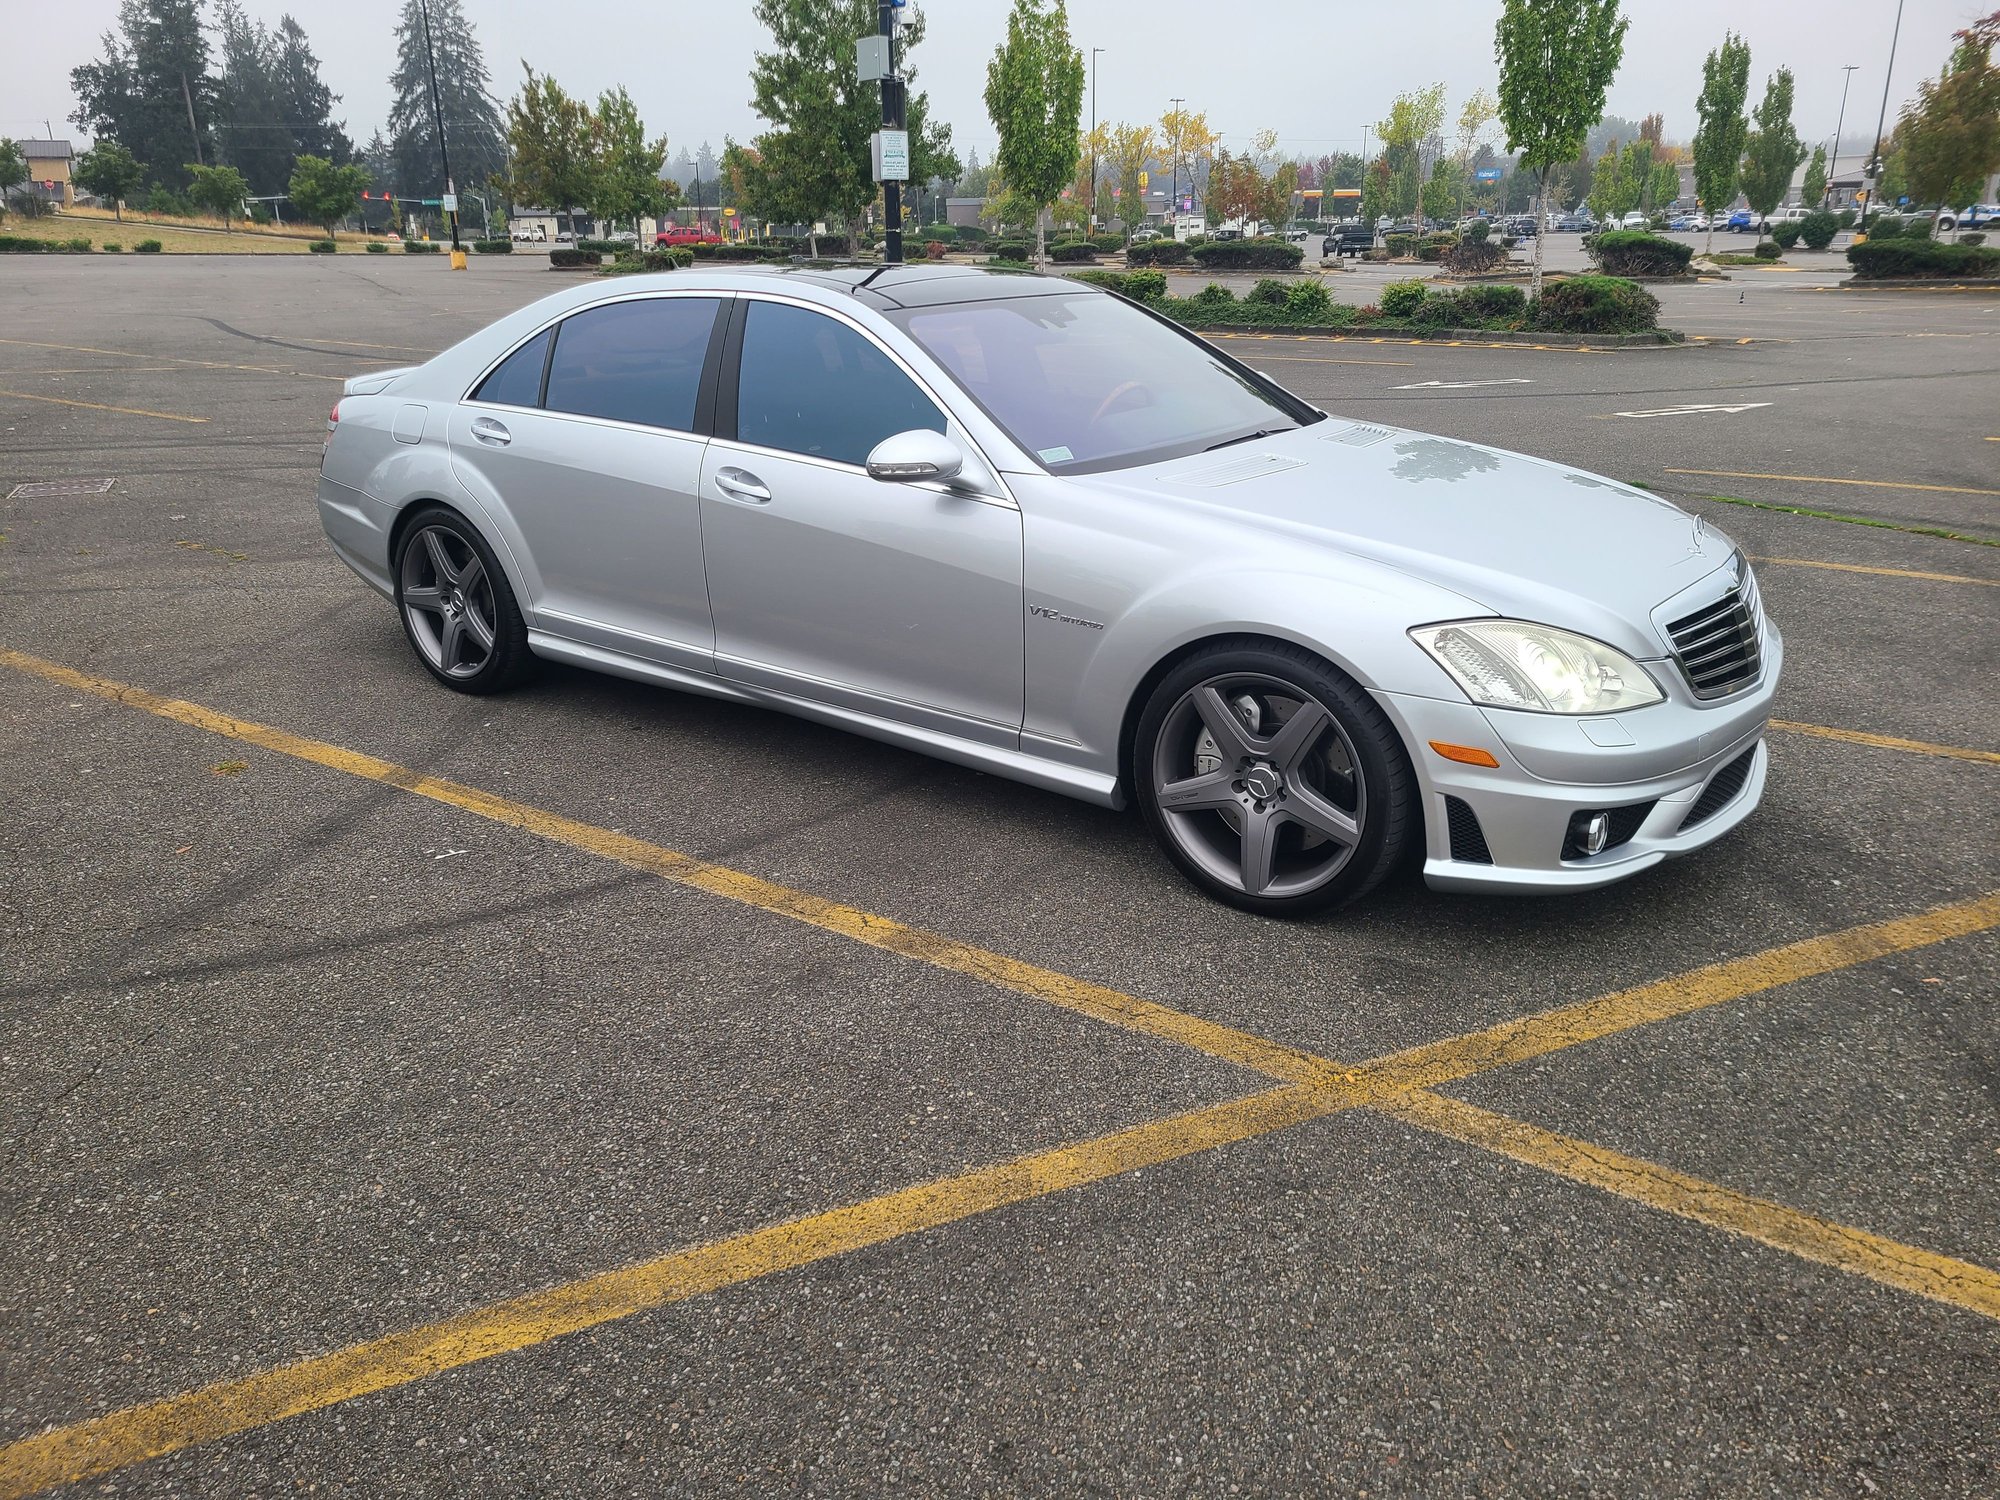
[{"x": 1661, "y": 759}]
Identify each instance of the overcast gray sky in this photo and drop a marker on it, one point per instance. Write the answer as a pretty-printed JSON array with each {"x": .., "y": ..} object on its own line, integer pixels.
[{"x": 1316, "y": 71}]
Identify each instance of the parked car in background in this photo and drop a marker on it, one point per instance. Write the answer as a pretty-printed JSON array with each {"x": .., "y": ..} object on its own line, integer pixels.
[
  {"x": 1521, "y": 226},
  {"x": 1633, "y": 220},
  {"x": 1575, "y": 224},
  {"x": 1348, "y": 239},
  {"x": 681, "y": 234},
  {"x": 1972, "y": 216},
  {"x": 1145, "y": 236},
  {"x": 1681, "y": 222}
]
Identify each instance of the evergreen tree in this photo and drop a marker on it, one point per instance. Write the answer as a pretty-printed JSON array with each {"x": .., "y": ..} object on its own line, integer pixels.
[
  {"x": 152, "y": 77},
  {"x": 307, "y": 101},
  {"x": 472, "y": 128},
  {"x": 252, "y": 133}
]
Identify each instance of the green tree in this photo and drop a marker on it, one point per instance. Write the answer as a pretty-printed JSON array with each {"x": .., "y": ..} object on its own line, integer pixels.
[
  {"x": 1635, "y": 163},
  {"x": 325, "y": 193},
  {"x": 1950, "y": 133},
  {"x": 626, "y": 185},
  {"x": 1187, "y": 150},
  {"x": 1719, "y": 138},
  {"x": 1813, "y": 190},
  {"x": 1773, "y": 151},
  {"x": 1128, "y": 148},
  {"x": 13, "y": 170},
  {"x": 549, "y": 136},
  {"x": 220, "y": 190},
  {"x": 812, "y": 163},
  {"x": 1666, "y": 184},
  {"x": 1414, "y": 118},
  {"x": 308, "y": 103},
  {"x": 1034, "y": 93},
  {"x": 1611, "y": 191},
  {"x": 1557, "y": 59},
  {"x": 110, "y": 171},
  {"x": 152, "y": 78},
  {"x": 252, "y": 130},
  {"x": 473, "y": 131}
]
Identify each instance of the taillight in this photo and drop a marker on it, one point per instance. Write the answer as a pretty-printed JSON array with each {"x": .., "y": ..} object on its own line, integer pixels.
[{"x": 332, "y": 421}]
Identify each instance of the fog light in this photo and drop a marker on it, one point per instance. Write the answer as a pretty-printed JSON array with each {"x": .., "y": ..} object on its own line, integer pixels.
[{"x": 1596, "y": 833}]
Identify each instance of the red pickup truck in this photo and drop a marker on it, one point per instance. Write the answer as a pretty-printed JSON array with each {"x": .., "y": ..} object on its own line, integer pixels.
[{"x": 681, "y": 235}]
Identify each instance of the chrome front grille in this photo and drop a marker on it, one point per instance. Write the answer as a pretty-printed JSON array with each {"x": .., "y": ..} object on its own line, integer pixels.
[{"x": 1717, "y": 646}]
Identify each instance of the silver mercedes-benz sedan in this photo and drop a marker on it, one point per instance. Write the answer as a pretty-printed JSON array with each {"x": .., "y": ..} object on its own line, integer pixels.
[{"x": 1029, "y": 526}]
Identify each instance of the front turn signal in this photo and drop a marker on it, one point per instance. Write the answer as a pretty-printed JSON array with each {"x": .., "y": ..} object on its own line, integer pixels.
[{"x": 1466, "y": 755}]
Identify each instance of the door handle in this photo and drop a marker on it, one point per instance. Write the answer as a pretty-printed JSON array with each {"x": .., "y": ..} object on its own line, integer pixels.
[
  {"x": 741, "y": 484},
  {"x": 489, "y": 431}
]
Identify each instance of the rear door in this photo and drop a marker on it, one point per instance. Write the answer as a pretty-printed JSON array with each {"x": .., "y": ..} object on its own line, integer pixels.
[
  {"x": 588, "y": 440},
  {"x": 901, "y": 600}
]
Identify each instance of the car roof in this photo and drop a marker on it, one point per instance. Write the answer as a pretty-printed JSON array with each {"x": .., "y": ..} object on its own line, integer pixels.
[{"x": 925, "y": 284}]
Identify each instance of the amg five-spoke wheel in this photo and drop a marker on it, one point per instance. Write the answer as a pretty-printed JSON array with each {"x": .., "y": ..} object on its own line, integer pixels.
[
  {"x": 1271, "y": 779},
  {"x": 457, "y": 609}
]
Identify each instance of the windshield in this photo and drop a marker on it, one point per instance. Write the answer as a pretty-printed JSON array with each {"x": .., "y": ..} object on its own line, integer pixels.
[{"x": 1087, "y": 382}]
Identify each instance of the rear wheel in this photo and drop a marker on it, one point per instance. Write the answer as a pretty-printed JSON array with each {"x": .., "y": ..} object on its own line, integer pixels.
[
  {"x": 458, "y": 610},
  {"x": 1271, "y": 779}
]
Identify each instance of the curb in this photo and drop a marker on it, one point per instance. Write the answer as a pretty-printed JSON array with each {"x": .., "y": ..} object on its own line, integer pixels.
[
  {"x": 1666, "y": 338},
  {"x": 1920, "y": 284}
]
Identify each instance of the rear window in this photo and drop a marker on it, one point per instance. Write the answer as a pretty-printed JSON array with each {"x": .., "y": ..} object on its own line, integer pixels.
[{"x": 634, "y": 361}]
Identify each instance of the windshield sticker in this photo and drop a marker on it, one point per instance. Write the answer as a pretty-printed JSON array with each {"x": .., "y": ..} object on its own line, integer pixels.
[{"x": 1054, "y": 455}]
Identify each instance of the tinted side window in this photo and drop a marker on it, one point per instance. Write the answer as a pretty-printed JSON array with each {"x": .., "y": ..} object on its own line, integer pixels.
[
  {"x": 518, "y": 379},
  {"x": 812, "y": 385},
  {"x": 633, "y": 361}
]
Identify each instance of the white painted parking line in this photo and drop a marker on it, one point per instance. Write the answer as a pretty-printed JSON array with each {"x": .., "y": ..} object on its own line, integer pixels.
[
  {"x": 1691, "y": 410},
  {"x": 1456, "y": 385}
]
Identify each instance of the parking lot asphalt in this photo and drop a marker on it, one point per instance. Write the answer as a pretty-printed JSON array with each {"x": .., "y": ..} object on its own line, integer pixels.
[{"x": 598, "y": 1090}]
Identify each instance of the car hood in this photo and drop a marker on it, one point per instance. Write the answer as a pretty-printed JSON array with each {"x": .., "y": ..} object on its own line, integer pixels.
[{"x": 1523, "y": 537}]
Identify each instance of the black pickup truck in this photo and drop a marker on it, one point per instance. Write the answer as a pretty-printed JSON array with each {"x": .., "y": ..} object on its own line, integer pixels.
[{"x": 1348, "y": 239}]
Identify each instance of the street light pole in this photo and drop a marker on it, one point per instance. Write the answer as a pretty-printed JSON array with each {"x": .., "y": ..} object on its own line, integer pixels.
[
  {"x": 1847, "y": 77},
  {"x": 1174, "y": 150},
  {"x": 437, "y": 116},
  {"x": 1092, "y": 211},
  {"x": 1882, "y": 119}
]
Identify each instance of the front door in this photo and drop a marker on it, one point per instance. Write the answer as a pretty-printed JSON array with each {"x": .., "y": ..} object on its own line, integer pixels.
[
  {"x": 896, "y": 599},
  {"x": 588, "y": 451}
]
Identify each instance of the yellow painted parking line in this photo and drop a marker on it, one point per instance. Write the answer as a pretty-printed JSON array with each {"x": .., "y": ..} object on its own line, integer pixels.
[
  {"x": 1316, "y": 1087},
  {"x": 200, "y": 364},
  {"x": 130, "y": 411},
  {"x": 1094, "y": 1000},
  {"x": 1959, "y": 1283},
  {"x": 122, "y": 1438},
  {"x": 1808, "y": 562},
  {"x": 1867, "y": 484},
  {"x": 1887, "y": 742},
  {"x": 1509, "y": 1042},
  {"x": 1310, "y": 359}
]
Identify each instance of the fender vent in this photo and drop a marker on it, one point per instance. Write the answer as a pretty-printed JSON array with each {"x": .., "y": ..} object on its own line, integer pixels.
[
  {"x": 1359, "y": 436},
  {"x": 1468, "y": 842}
]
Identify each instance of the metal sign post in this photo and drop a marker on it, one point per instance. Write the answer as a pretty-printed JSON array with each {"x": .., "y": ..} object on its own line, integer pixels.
[{"x": 892, "y": 144}]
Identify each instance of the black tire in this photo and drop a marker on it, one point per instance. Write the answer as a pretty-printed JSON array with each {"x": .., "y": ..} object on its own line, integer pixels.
[
  {"x": 1373, "y": 785},
  {"x": 444, "y": 638}
]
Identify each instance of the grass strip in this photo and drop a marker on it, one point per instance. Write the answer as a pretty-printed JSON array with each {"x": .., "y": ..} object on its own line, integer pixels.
[{"x": 1834, "y": 515}]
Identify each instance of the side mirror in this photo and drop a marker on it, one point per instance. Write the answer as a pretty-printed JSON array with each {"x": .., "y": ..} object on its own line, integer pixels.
[{"x": 914, "y": 456}]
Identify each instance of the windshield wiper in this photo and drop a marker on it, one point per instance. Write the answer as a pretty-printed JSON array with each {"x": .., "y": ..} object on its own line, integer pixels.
[{"x": 1248, "y": 437}]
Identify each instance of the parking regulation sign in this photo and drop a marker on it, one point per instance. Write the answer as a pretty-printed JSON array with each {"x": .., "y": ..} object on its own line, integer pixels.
[{"x": 892, "y": 155}]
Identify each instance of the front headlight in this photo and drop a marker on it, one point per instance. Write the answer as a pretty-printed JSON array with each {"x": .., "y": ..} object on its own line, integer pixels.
[{"x": 1512, "y": 664}]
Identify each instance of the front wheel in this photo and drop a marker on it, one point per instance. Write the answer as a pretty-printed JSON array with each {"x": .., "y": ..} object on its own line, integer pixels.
[{"x": 1272, "y": 780}]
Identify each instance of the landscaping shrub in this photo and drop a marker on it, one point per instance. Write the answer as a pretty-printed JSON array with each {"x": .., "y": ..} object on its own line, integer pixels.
[
  {"x": 1108, "y": 244},
  {"x": 1402, "y": 298},
  {"x": 1477, "y": 230},
  {"x": 1012, "y": 250},
  {"x": 1638, "y": 252},
  {"x": 1885, "y": 229},
  {"x": 1492, "y": 304},
  {"x": 320, "y": 247},
  {"x": 1248, "y": 255},
  {"x": 1435, "y": 245},
  {"x": 563, "y": 258},
  {"x": 1141, "y": 286},
  {"x": 1073, "y": 253},
  {"x": 602, "y": 247},
  {"x": 377, "y": 247},
  {"x": 934, "y": 249},
  {"x": 967, "y": 234},
  {"x": 1975, "y": 238},
  {"x": 420, "y": 247},
  {"x": 1766, "y": 250},
  {"x": 1597, "y": 304},
  {"x": 166, "y": 201},
  {"x": 1473, "y": 257},
  {"x": 1213, "y": 296},
  {"x": 1846, "y": 217},
  {"x": 1439, "y": 310},
  {"x": 146, "y": 247},
  {"x": 1400, "y": 246},
  {"x": 1307, "y": 301},
  {"x": 493, "y": 247},
  {"x": 1269, "y": 291},
  {"x": 1817, "y": 229},
  {"x": 14, "y": 244},
  {"x": 1159, "y": 253},
  {"x": 112, "y": 247},
  {"x": 1882, "y": 260},
  {"x": 1787, "y": 235},
  {"x": 1919, "y": 229}
]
